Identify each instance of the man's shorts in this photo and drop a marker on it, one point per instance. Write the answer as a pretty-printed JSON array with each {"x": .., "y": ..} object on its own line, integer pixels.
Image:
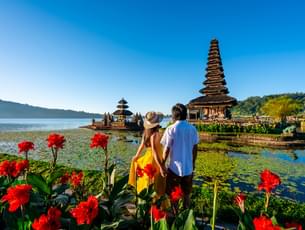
[{"x": 172, "y": 181}]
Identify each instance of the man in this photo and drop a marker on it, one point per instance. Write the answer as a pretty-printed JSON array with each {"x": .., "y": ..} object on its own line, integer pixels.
[{"x": 180, "y": 145}]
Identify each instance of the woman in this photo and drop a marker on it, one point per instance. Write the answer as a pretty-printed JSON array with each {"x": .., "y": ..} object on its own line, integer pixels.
[{"x": 153, "y": 155}]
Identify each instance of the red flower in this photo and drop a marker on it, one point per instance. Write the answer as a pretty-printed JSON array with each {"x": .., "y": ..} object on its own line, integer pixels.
[
  {"x": 263, "y": 223},
  {"x": 76, "y": 179},
  {"x": 13, "y": 168},
  {"x": 240, "y": 201},
  {"x": 99, "y": 140},
  {"x": 6, "y": 168},
  {"x": 86, "y": 211},
  {"x": 51, "y": 221},
  {"x": 150, "y": 170},
  {"x": 269, "y": 181},
  {"x": 21, "y": 166},
  {"x": 294, "y": 225},
  {"x": 139, "y": 172},
  {"x": 25, "y": 146},
  {"x": 17, "y": 196},
  {"x": 56, "y": 141},
  {"x": 65, "y": 178},
  {"x": 176, "y": 194},
  {"x": 157, "y": 213}
]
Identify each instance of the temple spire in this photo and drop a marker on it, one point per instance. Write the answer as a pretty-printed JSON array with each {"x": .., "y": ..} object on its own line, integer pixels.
[
  {"x": 215, "y": 83},
  {"x": 215, "y": 102}
]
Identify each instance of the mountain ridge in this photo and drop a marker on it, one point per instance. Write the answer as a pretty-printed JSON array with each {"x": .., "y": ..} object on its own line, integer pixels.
[{"x": 9, "y": 109}]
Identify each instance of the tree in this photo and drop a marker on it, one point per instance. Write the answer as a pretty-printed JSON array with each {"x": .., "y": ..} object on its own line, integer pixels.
[{"x": 281, "y": 107}]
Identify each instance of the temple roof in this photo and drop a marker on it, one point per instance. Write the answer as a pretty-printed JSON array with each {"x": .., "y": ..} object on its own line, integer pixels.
[
  {"x": 121, "y": 112},
  {"x": 214, "y": 100},
  {"x": 122, "y": 109},
  {"x": 122, "y": 101}
]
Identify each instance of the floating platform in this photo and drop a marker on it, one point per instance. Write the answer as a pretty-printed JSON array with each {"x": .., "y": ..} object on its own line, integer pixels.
[{"x": 129, "y": 126}]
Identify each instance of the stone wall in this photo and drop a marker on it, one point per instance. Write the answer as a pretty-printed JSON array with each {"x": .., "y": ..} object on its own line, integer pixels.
[{"x": 278, "y": 141}]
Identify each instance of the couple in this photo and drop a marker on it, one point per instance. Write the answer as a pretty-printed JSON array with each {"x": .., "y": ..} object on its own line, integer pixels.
[{"x": 173, "y": 155}]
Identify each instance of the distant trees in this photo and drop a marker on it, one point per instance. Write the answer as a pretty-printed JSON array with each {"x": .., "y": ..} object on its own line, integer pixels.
[
  {"x": 281, "y": 107},
  {"x": 252, "y": 105}
]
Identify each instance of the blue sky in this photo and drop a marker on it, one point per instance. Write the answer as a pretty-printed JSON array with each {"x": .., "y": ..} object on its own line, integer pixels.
[{"x": 86, "y": 55}]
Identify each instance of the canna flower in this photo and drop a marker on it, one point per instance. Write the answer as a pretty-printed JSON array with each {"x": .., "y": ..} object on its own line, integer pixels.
[
  {"x": 21, "y": 166},
  {"x": 51, "y": 221},
  {"x": 76, "y": 179},
  {"x": 25, "y": 146},
  {"x": 65, "y": 178},
  {"x": 13, "y": 168},
  {"x": 17, "y": 196},
  {"x": 99, "y": 140},
  {"x": 150, "y": 171},
  {"x": 56, "y": 141},
  {"x": 176, "y": 194},
  {"x": 269, "y": 181},
  {"x": 240, "y": 201},
  {"x": 157, "y": 213},
  {"x": 6, "y": 168},
  {"x": 263, "y": 223},
  {"x": 139, "y": 172},
  {"x": 296, "y": 226},
  {"x": 86, "y": 211}
]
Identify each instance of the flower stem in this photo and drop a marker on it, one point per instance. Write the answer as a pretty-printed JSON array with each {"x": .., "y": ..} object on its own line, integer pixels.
[
  {"x": 267, "y": 201},
  {"x": 214, "y": 205}
]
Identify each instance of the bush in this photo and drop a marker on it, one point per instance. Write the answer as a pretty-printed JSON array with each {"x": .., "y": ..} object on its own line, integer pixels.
[{"x": 238, "y": 128}]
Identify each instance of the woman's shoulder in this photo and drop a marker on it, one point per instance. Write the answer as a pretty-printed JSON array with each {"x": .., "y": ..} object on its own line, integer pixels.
[{"x": 156, "y": 135}]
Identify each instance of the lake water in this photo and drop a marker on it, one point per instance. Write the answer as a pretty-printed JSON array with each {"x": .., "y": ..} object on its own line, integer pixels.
[
  {"x": 16, "y": 125},
  {"x": 13, "y": 125}
]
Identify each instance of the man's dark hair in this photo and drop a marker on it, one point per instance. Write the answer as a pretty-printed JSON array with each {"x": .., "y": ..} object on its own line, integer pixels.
[{"x": 179, "y": 112}]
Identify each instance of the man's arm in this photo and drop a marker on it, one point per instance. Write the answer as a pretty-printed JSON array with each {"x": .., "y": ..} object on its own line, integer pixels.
[
  {"x": 195, "y": 148},
  {"x": 166, "y": 153}
]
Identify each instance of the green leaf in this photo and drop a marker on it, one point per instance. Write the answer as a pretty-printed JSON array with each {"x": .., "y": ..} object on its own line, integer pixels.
[
  {"x": 118, "y": 187},
  {"x": 38, "y": 182},
  {"x": 190, "y": 223},
  {"x": 109, "y": 226},
  {"x": 53, "y": 177},
  {"x": 160, "y": 225},
  {"x": 185, "y": 221}
]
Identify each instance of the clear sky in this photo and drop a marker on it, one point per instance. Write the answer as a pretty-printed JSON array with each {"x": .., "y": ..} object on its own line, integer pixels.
[{"x": 86, "y": 55}]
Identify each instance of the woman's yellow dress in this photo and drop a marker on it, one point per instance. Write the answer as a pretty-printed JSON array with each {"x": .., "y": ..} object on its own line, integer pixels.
[{"x": 141, "y": 183}]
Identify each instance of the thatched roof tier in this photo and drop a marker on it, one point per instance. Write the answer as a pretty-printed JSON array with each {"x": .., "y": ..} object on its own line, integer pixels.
[
  {"x": 123, "y": 101},
  {"x": 214, "y": 90},
  {"x": 212, "y": 81},
  {"x": 122, "y": 113},
  {"x": 214, "y": 100},
  {"x": 122, "y": 106}
]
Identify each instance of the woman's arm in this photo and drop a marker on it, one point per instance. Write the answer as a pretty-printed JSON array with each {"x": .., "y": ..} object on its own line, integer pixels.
[
  {"x": 139, "y": 151},
  {"x": 153, "y": 141}
]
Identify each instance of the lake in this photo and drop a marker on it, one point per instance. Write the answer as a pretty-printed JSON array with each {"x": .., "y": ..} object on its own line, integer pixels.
[{"x": 17, "y": 125}]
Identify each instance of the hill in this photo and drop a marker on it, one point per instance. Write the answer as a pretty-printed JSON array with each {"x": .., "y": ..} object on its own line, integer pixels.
[
  {"x": 251, "y": 106},
  {"x": 16, "y": 110}
]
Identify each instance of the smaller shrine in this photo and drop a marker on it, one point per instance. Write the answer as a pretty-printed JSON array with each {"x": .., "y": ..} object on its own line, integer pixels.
[{"x": 121, "y": 119}]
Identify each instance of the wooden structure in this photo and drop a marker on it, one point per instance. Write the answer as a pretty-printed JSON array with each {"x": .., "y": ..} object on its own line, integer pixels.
[
  {"x": 121, "y": 119},
  {"x": 215, "y": 102}
]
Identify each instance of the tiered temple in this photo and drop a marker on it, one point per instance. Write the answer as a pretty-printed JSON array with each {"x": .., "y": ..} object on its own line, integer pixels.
[
  {"x": 121, "y": 119},
  {"x": 215, "y": 103},
  {"x": 122, "y": 113}
]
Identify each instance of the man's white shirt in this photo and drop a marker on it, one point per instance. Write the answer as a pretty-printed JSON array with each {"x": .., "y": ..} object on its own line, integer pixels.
[{"x": 180, "y": 138}]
